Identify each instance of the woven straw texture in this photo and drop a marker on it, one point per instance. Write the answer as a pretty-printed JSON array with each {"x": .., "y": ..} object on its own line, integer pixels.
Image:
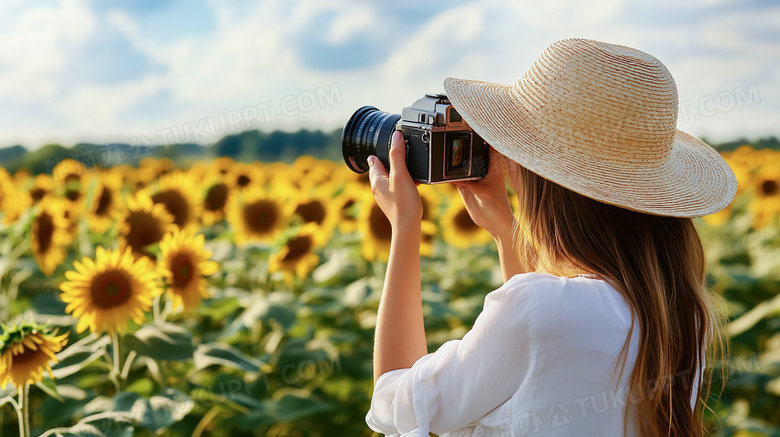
[{"x": 600, "y": 119}]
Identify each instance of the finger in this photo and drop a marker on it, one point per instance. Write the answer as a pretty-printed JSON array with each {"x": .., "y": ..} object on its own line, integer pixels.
[
  {"x": 462, "y": 189},
  {"x": 376, "y": 173},
  {"x": 398, "y": 155}
]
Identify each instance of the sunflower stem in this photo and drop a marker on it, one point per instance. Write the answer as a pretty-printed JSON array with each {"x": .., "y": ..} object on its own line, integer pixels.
[
  {"x": 204, "y": 422},
  {"x": 24, "y": 411},
  {"x": 128, "y": 363},
  {"x": 117, "y": 364},
  {"x": 267, "y": 285},
  {"x": 156, "y": 308}
]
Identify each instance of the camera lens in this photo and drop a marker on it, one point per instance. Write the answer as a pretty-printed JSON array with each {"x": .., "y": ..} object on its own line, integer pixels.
[{"x": 368, "y": 132}]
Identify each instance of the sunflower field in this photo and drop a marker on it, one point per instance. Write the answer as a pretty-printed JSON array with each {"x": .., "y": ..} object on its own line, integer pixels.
[{"x": 232, "y": 298}]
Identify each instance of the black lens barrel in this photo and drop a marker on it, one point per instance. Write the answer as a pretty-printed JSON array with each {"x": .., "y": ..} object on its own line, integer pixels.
[{"x": 368, "y": 132}]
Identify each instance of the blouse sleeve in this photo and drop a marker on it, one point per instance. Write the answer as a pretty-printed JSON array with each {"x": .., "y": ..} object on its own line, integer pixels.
[{"x": 464, "y": 379}]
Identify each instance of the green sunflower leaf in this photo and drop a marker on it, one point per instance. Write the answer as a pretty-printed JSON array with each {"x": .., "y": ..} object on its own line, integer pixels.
[{"x": 161, "y": 341}]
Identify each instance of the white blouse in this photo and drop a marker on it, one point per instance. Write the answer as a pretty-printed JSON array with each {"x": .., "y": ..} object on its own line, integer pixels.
[{"x": 538, "y": 361}]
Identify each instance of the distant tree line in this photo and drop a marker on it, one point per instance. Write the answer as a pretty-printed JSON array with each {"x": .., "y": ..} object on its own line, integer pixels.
[
  {"x": 251, "y": 145},
  {"x": 246, "y": 146}
]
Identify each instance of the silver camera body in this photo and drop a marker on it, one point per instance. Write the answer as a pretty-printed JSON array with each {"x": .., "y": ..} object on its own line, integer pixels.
[{"x": 440, "y": 145}]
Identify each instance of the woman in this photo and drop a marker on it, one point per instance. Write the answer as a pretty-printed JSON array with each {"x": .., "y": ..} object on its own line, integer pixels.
[{"x": 604, "y": 319}]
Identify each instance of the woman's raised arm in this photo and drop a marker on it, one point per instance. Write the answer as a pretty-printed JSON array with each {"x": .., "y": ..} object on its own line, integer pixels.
[{"x": 400, "y": 332}]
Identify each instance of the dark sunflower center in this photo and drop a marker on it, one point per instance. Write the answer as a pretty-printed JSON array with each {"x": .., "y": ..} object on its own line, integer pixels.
[
  {"x": 313, "y": 211},
  {"x": 216, "y": 197},
  {"x": 769, "y": 188},
  {"x": 73, "y": 195},
  {"x": 261, "y": 216},
  {"x": 183, "y": 270},
  {"x": 346, "y": 210},
  {"x": 45, "y": 231},
  {"x": 103, "y": 202},
  {"x": 243, "y": 180},
  {"x": 27, "y": 355},
  {"x": 37, "y": 194},
  {"x": 379, "y": 224},
  {"x": 145, "y": 229},
  {"x": 299, "y": 246},
  {"x": 72, "y": 178},
  {"x": 176, "y": 204},
  {"x": 110, "y": 289},
  {"x": 464, "y": 222}
]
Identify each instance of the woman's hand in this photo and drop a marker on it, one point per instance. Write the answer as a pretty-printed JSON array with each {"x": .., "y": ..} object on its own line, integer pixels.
[
  {"x": 486, "y": 200},
  {"x": 395, "y": 193}
]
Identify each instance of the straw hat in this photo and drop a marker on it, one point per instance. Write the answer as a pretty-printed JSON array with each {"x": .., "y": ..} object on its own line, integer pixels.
[{"x": 600, "y": 119}]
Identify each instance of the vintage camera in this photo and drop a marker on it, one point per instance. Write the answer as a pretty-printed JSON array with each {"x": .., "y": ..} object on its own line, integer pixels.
[{"x": 440, "y": 146}]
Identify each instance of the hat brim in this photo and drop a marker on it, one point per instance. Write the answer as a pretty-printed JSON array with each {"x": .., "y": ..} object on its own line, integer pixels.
[{"x": 694, "y": 181}]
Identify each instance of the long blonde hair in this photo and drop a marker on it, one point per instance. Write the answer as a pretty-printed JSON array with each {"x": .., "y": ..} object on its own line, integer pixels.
[{"x": 658, "y": 264}]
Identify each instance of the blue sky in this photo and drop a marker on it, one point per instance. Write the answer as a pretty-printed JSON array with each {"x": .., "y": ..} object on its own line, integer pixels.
[{"x": 136, "y": 71}]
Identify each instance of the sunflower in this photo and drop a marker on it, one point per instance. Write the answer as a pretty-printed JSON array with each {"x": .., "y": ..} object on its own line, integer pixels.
[
  {"x": 744, "y": 156},
  {"x": 767, "y": 186},
  {"x": 198, "y": 171},
  {"x": 276, "y": 171},
  {"x": 427, "y": 234},
  {"x": 376, "y": 230},
  {"x": 183, "y": 265},
  {"x": 124, "y": 173},
  {"x": 242, "y": 175},
  {"x": 222, "y": 165},
  {"x": 311, "y": 172},
  {"x": 106, "y": 203},
  {"x": 144, "y": 223},
  {"x": 49, "y": 235},
  {"x": 257, "y": 215},
  {"x": 106, "y": 292},
  {"x": 430, "y": 202},
  {"x": 317, "y": 208},
  {"x": 215, "y": 198},
  {"x": 68, "y": 171},
  {"x": 158, "y": 167},
  {"x": 296, "y": 257},
  {"x": 74, "y": 196},
  {"x": 177, "y": 194},
  {"x": 41, "y": 187},
  {"x": 21, "y": 176},
  {"x": 26, "y": 351},
  {"x": 304, "y": 164},
  {"x": 347, "y": 204},
  {"x": 459, "y": 229},
  {"x": 719, "y": 218},
  {"x": 766, "y": 204},
  {"x": 13, "y": 200},
  {"x": 343, "y": 175},
  {"x": 141, "y": 177}
]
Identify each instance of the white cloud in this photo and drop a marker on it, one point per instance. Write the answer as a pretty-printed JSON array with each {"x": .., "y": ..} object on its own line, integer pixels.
[{"x": 353, "y": 22}]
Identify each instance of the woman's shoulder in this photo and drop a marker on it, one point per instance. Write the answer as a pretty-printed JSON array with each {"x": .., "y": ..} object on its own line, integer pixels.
[
  {"x": 534, "y": 281},
  {"x": 543, "y": 290}
]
